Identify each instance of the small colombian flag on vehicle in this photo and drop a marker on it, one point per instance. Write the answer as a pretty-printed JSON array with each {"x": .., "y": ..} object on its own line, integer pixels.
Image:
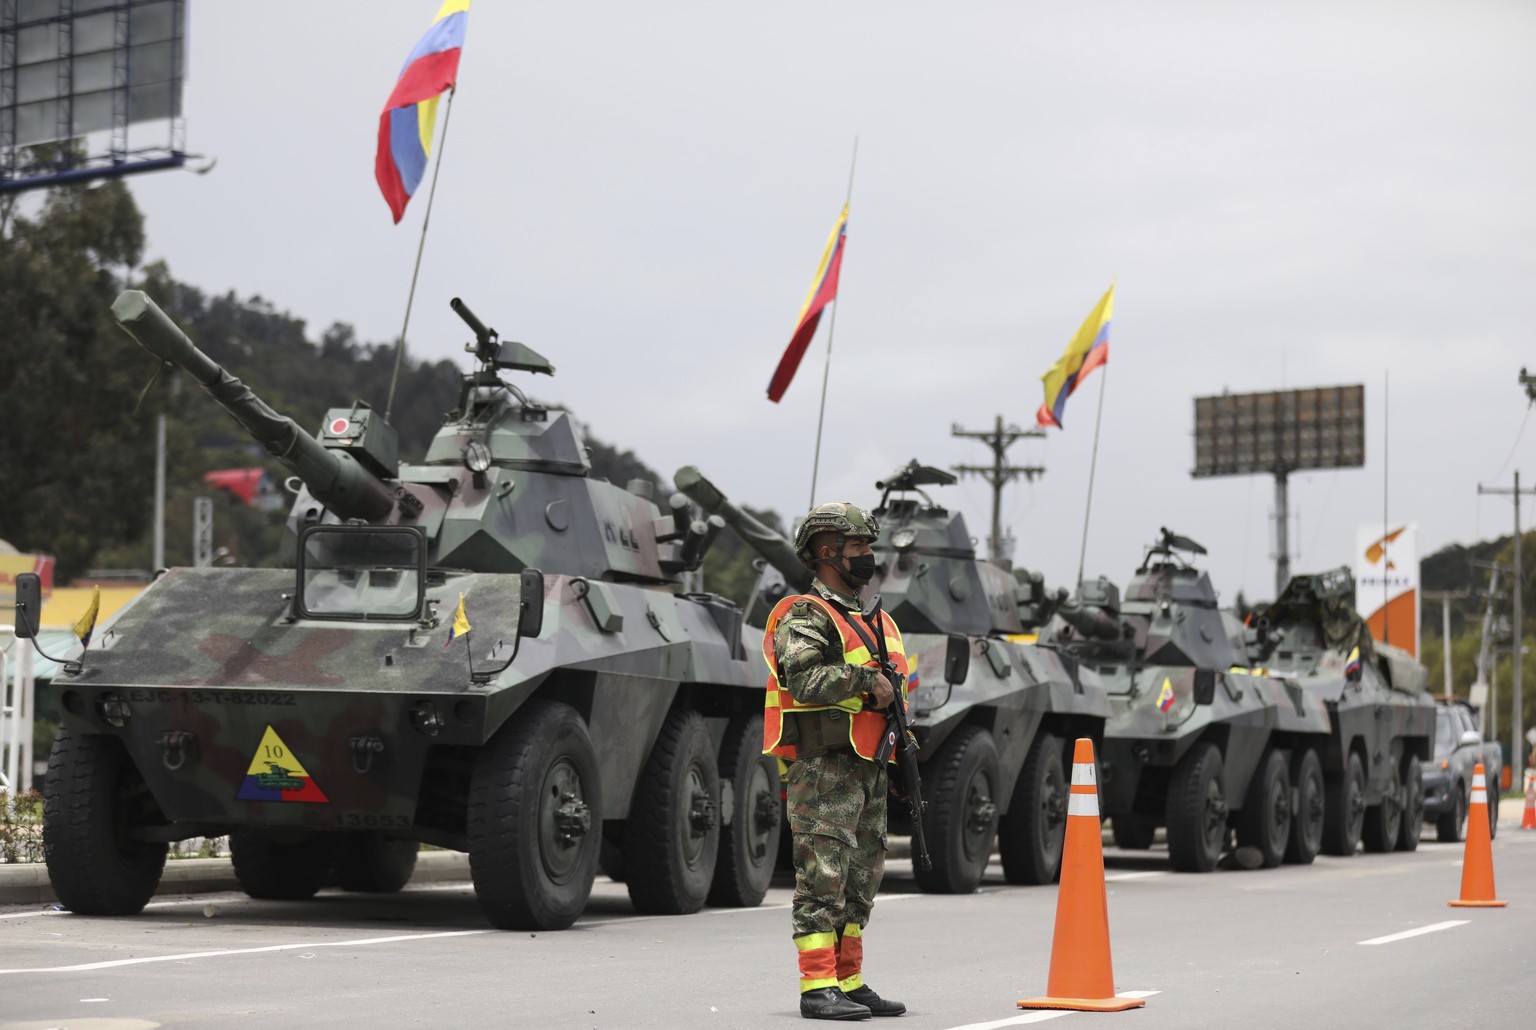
[
  {"x": 460, "y": 625},
  {"x": 1165, "y": 696}
]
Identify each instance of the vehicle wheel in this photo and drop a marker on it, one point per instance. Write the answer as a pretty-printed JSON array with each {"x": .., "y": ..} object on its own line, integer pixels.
[
  {"x": 1451, "y": 827},
  {"x": 1031, "y": 835},
  {"x": 1307, "y": 821},
  {"x": 373, "y": 863},
  {"x": 1132, "y": 832},
  {"x": 1197, "y": 811},
  {"x": 534, "y": 819},
  {"x": 1384, "y": 820},
  {"x": 1344, "y": 811},
  {"x": 1493, "y": 806},
  {"x": 92, "y": 802},
  {"x": 749, "y": 845},
  {"x": 274, "y": 866},
  {"x": 672, "y": 837},
  {"x": 1265, "y": 821},
  {"x": 1413, "y": 805},
  {"x": 961, "y": 818}
]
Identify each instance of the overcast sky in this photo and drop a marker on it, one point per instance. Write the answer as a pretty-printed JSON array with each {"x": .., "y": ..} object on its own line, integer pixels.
[{"x": 1287, "y": 195}]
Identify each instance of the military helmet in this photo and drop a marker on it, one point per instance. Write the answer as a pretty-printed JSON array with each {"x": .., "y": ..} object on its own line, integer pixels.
[{"x": 838, "y": 517}]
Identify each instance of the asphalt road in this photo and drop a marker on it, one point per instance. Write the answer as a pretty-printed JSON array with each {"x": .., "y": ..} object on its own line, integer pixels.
[{"x": 1361, "y": 942}]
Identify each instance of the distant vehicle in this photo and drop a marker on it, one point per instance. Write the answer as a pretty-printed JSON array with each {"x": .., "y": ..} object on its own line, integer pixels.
[
  {"x": 1448, "y": 776},
  {"x": 251, "y": 487}
]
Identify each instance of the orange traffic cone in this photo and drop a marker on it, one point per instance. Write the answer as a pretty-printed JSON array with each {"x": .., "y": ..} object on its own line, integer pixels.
[
  {"x": 1080, "y": 976},
  {"x": 1528, "y": 820},
  {"x": 1477, "y": 865}
]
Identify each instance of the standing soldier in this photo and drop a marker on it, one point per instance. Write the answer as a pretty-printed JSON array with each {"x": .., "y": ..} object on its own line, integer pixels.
[{"x": 821, "y": 715}]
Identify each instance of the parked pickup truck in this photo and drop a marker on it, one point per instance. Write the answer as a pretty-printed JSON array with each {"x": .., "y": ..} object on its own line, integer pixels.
[{"x": 1448, "y": 776}]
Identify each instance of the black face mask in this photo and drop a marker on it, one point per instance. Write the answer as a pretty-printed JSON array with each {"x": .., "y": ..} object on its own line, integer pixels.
[{"x": 859, "y": 570}]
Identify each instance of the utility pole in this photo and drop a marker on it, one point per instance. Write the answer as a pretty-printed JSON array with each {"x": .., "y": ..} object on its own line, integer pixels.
[
  {"x": 1517, "y": 742},
  {"x": 999, "y": 473},
  {"x": 1487, "y": 664},
  {"x": 1445, "y": 597}
]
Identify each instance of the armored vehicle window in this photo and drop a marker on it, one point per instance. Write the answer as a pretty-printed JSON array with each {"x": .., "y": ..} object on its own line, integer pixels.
[{"x": 361, "y": 572}]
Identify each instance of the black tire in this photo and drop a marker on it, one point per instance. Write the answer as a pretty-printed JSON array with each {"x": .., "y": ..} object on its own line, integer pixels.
[
  {"x": 1451, "y": 827},
  {"x": 274, "y": 866},
  {"x": 1030, "y": 837},
  {"x": 372, "y": 863},
  {"x": 749, "y": 844},
  {"x": 1383, "y": 822},
  {"x": 961, "y": 819},
  {"x": 535, "y": 819},
  {"x": 1197, "y": 811},
  {"x": 1306, "y": 838},
  {"x": 1344, "y": 808},
  {"x": 1265, "y": 821},
  {"x": 1132, "y": 832},
  {"x": 672, "y": 836},
  {"x": 1493, "y": 806},
  {"x": 1413, "y": 807},
  {"x": 92, "y": 802}
]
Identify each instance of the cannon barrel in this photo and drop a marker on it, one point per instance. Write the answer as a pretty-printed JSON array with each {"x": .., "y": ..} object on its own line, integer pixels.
[
  {"x": 334, "y": 477},
  {"x": 776, "y": 550},
  {"x": 1092, "y": 624}
]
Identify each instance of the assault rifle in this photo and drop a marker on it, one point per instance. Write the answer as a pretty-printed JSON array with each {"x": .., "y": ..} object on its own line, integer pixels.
[{"x": 898, "y": 733}]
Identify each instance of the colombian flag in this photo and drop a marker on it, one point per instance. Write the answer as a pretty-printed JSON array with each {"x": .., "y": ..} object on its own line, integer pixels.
[
  {"x": 1352, "y": 665},
  {"x": 87, "y": 623},
  {"x": 823, "y": 292},
  {"x": 405, "y": 127},
  {"x": 1088, "y": 350},
  {"x": 460, "y": 623}
]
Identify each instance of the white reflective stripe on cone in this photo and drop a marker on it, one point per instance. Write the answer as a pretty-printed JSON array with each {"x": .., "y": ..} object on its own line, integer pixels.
[
  {"x": 1478, "y": 781},
  {"x": 1479, "y": 797},
  {"x": 1083, "y": 774},
  {"x": 1083, "y": 804}
]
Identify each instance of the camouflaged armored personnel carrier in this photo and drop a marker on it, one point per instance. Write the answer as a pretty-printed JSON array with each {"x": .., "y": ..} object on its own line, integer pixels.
[
  {"x": 487, "y": 651},
  {"x": 1197, "y": 739},
  {"x": 1366, "y": 780},
  {"x": 991, "y": 714}
]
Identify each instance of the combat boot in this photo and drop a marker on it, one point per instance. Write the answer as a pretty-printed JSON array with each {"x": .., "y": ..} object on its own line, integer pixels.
[
  {"x": 831, "y": 1003},
  {"x": 865, "y": 995}
]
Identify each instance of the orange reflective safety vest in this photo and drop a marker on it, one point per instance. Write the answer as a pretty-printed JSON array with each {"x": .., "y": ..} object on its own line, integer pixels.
[{"x": 866, "y": 726}]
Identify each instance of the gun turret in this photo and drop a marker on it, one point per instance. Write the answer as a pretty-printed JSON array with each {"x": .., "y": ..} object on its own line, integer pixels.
[
  {"x": 334, "y": 477},
  {"x": 1092, "y": 623},
  {"x": 775, "y": 549}
]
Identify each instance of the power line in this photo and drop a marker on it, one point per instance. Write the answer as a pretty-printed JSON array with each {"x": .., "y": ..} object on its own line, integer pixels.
[{"x": 999, "y": 473}]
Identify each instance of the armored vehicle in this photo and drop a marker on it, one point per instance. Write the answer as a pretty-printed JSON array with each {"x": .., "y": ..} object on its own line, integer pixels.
[
  {"x": 1197, "y": 738},
  {"x": 992, "y": 729},
  {"x": 1381, "y": 717},
  {"x": 487, "y": 651}
]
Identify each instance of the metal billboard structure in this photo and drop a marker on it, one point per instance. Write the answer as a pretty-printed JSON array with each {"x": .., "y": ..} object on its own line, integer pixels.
[
  {"x": 1277, "y": 433},
  {"x": 81, "y": 74}
]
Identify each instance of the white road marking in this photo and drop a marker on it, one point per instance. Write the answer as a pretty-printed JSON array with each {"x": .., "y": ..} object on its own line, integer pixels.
[
  {"x": 1041, "y": 1015},
  {"x": 1431, "y": 928},
  {"x": 87, "y": 966},
  {"x": 1116, "y": 877}
]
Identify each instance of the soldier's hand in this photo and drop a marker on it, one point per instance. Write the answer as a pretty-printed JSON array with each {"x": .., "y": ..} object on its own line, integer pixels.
[{"x": 882, "y": 695}]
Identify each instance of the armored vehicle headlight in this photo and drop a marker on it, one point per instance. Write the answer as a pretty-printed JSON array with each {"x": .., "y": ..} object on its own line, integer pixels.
[
  {"x": 426, "y": 718},
  {"x": 114, "y": 710},
  {"x": 903, "y": 539},
  {"x": 477, "y": 456}
]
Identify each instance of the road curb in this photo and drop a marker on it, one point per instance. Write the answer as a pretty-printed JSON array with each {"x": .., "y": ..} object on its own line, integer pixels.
[{"x": 27, "y": 883}]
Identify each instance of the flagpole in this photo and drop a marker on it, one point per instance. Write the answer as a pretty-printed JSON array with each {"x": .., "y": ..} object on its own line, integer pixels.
[
  {"x": 1093, "y": 464},
  {"x": 826, "y": 371},
  {"x": 442, "y": 145}
]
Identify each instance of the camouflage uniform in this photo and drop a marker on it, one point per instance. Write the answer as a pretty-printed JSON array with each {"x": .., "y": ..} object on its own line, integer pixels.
[{"x": 836, "y": 799}]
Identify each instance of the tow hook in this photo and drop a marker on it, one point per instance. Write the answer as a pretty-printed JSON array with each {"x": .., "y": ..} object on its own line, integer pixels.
[
  {"x": 362, "y": 750},
  {"x": 176, "y": 748}
]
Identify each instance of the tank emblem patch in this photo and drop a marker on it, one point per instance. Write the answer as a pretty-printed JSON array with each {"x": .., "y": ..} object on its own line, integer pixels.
[
  {"x": 1165, "y": 696},
  {"x": 339, "y": 426},
  {"x": 276, "y": 774}
]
